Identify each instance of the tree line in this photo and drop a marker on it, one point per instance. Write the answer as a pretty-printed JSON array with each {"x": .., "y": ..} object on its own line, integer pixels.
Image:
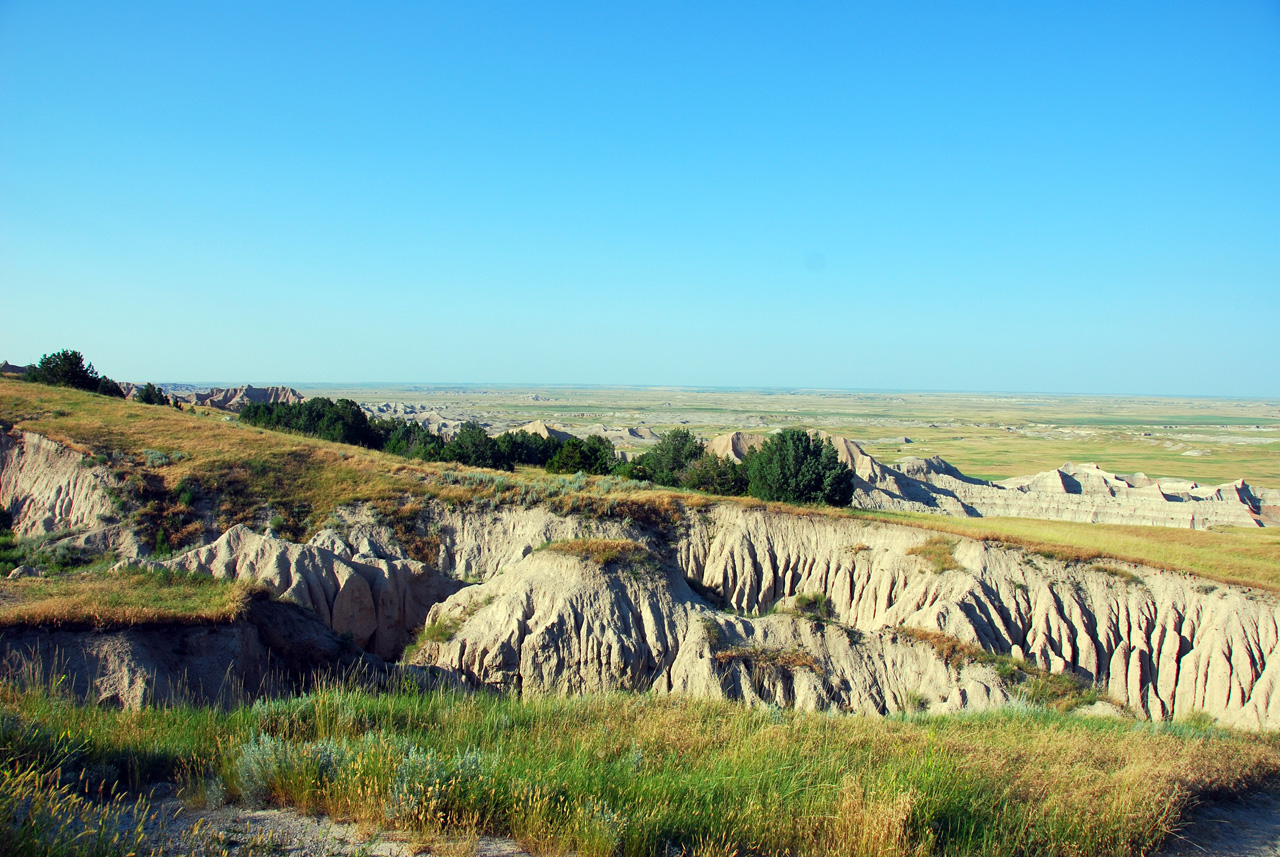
[
  {"x": 791, "y": 466},
  {"x": 68, "y": 368}
]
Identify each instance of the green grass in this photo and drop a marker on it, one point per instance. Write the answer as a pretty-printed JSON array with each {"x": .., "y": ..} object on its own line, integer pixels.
[
  {"x": 1059, "y": 691},
  {"x": 1236, "y": 556},
  {"x": 112, "y": 599},
  {"x": 625, "y": 774},
  {"x": 938, "y": 552}
]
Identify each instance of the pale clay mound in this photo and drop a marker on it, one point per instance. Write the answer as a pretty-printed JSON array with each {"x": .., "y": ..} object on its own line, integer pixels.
[
  {"x": 1084, "y": 493},
  {"x": 378, "y": 598},
  {"x": 541, "y": 429}
]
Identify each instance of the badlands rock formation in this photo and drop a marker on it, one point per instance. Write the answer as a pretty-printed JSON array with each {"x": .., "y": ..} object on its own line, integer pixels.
[
  {"x": 46, "y": 488},
  {"x": 553, "y": 623},
  {"x": 541, "y": 429},
  {"x": 1165, "y": 644},
  {"x": 380, "y": 601},
  {"x": 1074, "y": 492},
  {"x": 235, "y": 398},
  {"x": 273, "y": 648}
]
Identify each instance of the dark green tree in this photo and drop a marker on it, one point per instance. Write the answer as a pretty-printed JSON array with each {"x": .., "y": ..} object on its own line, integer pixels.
[
  {"x": 410, "y": 439},
  {"x": 523, "y": 447},
  {"x": 672, "y": 455},
  {"x": 794, "y": 467},
  {"x": 342, "y": 421},
  {"x": 152, "y": 395},
  {"x": 715, "y": 475},
  {"x": 473, "y": 447},
  {"x": 594, "y": 455},
  {"x": 65, "y": 368},
  {"x": 107, "y": 387}
]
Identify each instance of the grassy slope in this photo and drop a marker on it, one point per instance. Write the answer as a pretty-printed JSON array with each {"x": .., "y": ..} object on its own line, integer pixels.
[
  {"x": 625, "y": 774},
  {"x": 308, "y": 478},
  {"x": 103, "y": 599}
]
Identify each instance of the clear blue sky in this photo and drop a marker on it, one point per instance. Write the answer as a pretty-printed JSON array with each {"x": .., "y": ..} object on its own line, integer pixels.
[{"x": 1067, "y": 197}]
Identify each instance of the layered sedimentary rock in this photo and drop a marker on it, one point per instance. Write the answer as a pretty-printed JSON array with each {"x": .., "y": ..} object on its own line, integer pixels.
[
  {"x": 553, "y": 623},
  {"x": 235, "y": 398},
  {"x": 1073, "y": 492},
  {"x": 380, "y": 602},
  {"x": 1163, "y": 643},
  {"x": 274, "y": 647},
  {"x": 46, "y": 487},
  {"x": 1166, "y": 644}
]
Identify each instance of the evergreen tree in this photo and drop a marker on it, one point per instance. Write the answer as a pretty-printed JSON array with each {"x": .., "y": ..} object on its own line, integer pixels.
[{"x": 794, "y": 467}]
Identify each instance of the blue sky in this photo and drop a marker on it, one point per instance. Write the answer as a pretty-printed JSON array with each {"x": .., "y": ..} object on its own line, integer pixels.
[{"x": 1059, "y": 197}]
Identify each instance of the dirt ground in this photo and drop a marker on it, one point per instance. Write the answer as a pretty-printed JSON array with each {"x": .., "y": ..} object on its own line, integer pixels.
[{"x": 1245, "y": 828}]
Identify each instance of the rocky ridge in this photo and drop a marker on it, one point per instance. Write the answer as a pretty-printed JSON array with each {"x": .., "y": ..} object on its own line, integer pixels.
[
  {"x": 370, "y": 592},
  {"x": 1074, "y": 492}
]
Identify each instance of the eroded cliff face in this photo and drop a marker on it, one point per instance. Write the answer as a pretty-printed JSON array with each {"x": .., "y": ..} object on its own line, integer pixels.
[
  {"x": 46, "y": 487},
  {"x": 1166, "y": 644},
  {"x": 1163, "y": 643},
  {"x": 551, "y": 623},
  {"x": 274, "y": 648},
  {"x": 380, "y": 601}
]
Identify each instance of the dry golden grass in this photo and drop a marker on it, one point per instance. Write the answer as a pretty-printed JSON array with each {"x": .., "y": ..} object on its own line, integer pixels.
[
  {"x": 120, "y": 599},
  {"x": 765, "y": 657},
  {"x": 1236, "y": 556},
  {"x": 601, "y": 551},
  {"x": 939, "y": 552}
]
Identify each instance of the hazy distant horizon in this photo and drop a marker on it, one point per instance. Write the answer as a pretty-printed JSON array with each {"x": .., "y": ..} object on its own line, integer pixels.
[{"x": 1081, "y": 198}]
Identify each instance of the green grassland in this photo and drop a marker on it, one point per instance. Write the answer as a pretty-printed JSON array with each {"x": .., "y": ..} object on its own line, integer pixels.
[{"x": 639, "y": 774}]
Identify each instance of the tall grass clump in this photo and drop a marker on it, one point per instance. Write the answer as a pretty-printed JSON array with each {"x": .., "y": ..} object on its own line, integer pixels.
[
  {"x": 939, "y": 552},
  {"x": 40, "y": 816}
]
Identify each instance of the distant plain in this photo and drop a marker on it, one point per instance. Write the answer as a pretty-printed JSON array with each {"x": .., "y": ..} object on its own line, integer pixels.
[{"x": 987, "y": 435}]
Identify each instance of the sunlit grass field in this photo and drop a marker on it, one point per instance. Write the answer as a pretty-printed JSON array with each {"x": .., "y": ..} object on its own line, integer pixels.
[
  {"x": 635, "y": 775},
  {"x": 104, "y": 599}
]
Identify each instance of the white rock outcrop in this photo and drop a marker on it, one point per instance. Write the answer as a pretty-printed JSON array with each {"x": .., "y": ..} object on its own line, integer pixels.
[
  {"x": 47, "y": 488},
  {"x": 382, "y": 603},
  {"x": 1166, "y": 644},
  {"x": 553, "y": 623}
]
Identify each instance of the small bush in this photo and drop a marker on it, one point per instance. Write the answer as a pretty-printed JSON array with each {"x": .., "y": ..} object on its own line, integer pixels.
[
  {"x": 815, "y": 605},
  {"x": 441, "y": 630},
  {"x": 156, "y": 458},
  {"x": 938, "y": 551},
  {"x": 1121, "y": 574}
]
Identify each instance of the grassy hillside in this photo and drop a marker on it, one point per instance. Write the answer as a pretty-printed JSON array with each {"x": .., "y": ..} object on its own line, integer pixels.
[{"x": 251, "y": 474}]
